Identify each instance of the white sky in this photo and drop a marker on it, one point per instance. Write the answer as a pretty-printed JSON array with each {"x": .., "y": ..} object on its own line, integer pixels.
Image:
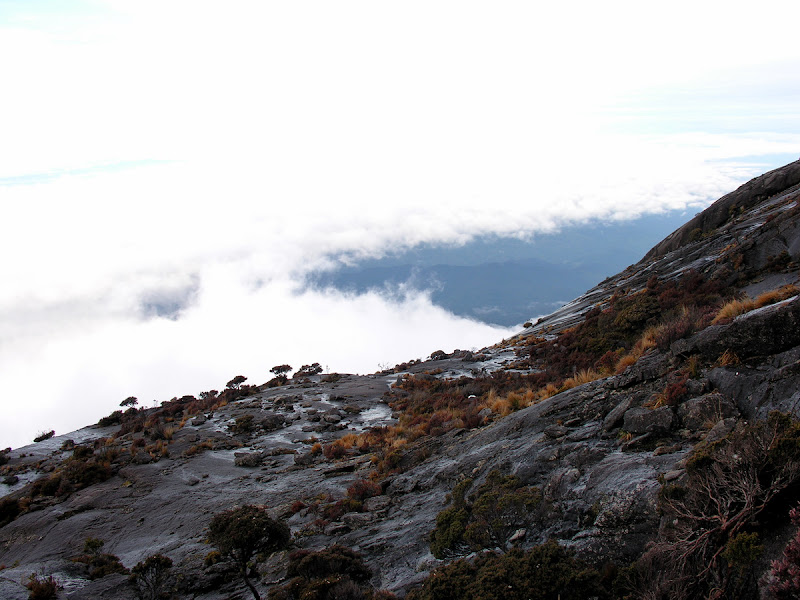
[{"x": 216, "y": 151}]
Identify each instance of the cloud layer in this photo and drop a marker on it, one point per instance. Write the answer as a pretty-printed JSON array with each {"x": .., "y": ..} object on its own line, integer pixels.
[{"x": 169, "y": 172}]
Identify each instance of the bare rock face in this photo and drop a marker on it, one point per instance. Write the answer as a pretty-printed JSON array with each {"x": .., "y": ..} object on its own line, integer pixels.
[{"x": 706, "y": 411}]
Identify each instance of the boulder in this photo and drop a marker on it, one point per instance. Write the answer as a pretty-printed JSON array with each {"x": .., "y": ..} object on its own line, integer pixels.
[
  {"x": 704, "y": 412},
  {"x": 645, "y": 420},
  {"x": 248, "y": 459},
  {"x": 614, "y": 417}
]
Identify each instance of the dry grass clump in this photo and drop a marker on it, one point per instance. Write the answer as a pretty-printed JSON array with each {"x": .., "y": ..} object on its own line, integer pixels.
[
  {"x": 728, "y": 359},
  {"x": 581, "y": 377},
  {"x": 736, "y": 307},
  {"x": 733, "y": 309},
  {"x": 773, "y": 296}
]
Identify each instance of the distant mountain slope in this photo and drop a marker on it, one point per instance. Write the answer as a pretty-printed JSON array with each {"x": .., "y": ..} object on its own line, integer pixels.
[{"x": 506, "y": 281}]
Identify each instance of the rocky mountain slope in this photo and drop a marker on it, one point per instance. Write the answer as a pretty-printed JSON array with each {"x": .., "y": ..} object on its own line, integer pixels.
[{"x": 600, "y": 411}]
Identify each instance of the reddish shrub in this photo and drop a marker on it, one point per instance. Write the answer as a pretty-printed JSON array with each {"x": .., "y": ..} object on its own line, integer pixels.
[{"x": 362, "y": 489}]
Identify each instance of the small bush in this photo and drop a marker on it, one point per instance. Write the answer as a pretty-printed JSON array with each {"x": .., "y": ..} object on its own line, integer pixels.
[
  {"x": 334, "y": 450},
  {"x": 486, "y": 519},
  {"x": 244, "y": 425},
  {"x": 241, "y": 533},
  {"x": 115, "y": 418},
  {"x": 784, "y": 577},
  {"x": 362, "y": 489},
  {"x": 706, "y": 541},
  {"x": 42, "y": 588},
  {"x": 97, "y": 564},
  {"x": 337, "y": 572},
  {"x": 9, "y": 510},
  {"x": 544, "y": 572},
  {"x": 151, "y": 577},
  {"x": 44, "y": 435}
]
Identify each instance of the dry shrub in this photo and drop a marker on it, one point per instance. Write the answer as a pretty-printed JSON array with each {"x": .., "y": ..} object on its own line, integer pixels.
[
  {"x": 42, "y": 588},
  {"x": 362, "y": 489},
  {"x": 705, "y": 543},
  {"x": 728, "y": 359},
  {"x": 334, "y": 450}
]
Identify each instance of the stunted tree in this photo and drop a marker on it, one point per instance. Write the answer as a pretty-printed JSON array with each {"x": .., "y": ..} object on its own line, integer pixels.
[
  {"x": 236, "y": 382},
  {"x": 129, "y": 402},
  {"x": 280, "y": 372},
  {"x": 241, "y": 533},
  {"x": 151, "y": 577},
  {"x": 308, "y": 370}
]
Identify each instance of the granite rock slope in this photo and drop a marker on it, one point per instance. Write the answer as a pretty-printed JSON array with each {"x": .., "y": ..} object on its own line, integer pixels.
[{"x": 599, "y": 451}]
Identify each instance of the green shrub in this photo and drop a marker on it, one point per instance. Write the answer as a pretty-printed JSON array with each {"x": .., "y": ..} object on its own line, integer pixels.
[
  {"x": 151, "y": 577},
  {"x": 243, "y": 425},
  {"x": 97, "y": 564},
  {"x": 707, "y": 542},
  {"x": 486, "y": 519},
  {"x": 241, "y": 533},
  {"x": 336, "y": 572},
  {"x": 544, "y": 572}
]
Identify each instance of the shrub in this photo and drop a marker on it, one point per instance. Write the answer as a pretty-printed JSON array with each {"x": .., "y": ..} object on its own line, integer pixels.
[
  {"x": 784, "y": 577},
  {"x": 336, "y": 572},
  {"x": 544, "y": 572},
  {"x": 334, "y": 450},
  {"x": 115, "y": 418},
  {"x": 706, "y": 541},
  {"x": 243, "y": 425},
  {"x": 362, "y": 489},
  {"x": 151, "y": 577},
  {"x": 499, "y": 506},
  {"x": 241, "y": 533},
  {"x": 44, "y": 435},
  {"x": 42, "y": 588},
  {"x": 308, "y": 370},
  {"x": 97, "y": 564},
  {"x": 9, "y": 510},
  {"x": 129, "y": 402},
  {"x": 236, "y": 382}
]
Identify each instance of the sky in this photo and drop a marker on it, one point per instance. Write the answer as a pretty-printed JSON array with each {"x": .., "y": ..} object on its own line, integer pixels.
[{"x": 170, "y": 170}]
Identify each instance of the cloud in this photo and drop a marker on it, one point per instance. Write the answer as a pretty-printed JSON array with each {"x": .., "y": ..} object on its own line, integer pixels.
[
  {"x": 170, "y": 172},
  {"x": 72, "y": 379}
]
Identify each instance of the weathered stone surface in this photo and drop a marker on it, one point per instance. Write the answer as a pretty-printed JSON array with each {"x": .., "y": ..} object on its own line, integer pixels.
[
  {"x": 645, "y": 420},
  {"x": 356, "y": 520},
  {"x": 377, "y": 503},
  {"x": 704, "y": 412},
  {"x": 271, "y": 421},
  {"x": 650, "y": 366},
  {"x": 614, "y": 418},
  {"x": 761, "y": 332},
  {"x": 248, "y": 459}
]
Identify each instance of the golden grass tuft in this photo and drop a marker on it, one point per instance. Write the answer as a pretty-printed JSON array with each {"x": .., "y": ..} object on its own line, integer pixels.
[
  {"x": 581, "y": 377},
  {"x": 778, "y": 295},
  {"x": 728, "y": 359},
  {"x": 733, "y": 309}
]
